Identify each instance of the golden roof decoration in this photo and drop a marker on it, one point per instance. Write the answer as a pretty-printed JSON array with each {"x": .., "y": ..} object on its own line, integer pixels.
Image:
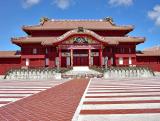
[
  {"x": 110, "y": 19},
  {"x": 43, "y": 20}
]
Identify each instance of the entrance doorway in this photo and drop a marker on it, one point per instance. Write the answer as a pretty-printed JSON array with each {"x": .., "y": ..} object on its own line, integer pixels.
[
  {"x": 80, "y": 61},
  {"x": 80, "y": 58}
]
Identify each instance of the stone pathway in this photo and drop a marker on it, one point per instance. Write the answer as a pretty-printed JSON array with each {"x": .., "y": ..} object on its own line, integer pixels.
[
  {"x": 122, "y": 100},
  {"x": 58, "y": 103},
  {"x": 11, "y": 91}
]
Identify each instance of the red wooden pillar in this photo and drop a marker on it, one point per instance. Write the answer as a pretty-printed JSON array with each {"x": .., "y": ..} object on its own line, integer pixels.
[
  {"x": 100, "y": 57},
  {"x": 89, "y": 57},
  {"x": 71, "y": 53},
  {"x": 60, "y": 55}
]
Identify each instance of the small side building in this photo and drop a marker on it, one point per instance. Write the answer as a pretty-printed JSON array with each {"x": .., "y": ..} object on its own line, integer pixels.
[
  {"x": 9, "y": 60},
  {"x": 149, "y": 58}
]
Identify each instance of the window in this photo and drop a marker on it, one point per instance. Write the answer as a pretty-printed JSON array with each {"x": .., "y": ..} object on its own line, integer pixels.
[
  {"x": 57, "y": 61},
  {"x": 47, "y": 61},
  {"x": 122, "y": 50},
  {"x": 34, "y": 51},
  {"x": 120, "y": 61},
  {"x": 108, "y": 49},
  {"x": 118, "y": 50},
  {"x": 111, "y": 50},
  {"x": 105, "y": 60},
  {"x": 46, "y": 50},
  {"x": 27, "y": 62},
  {"x": 130, "y": 60},
  {"x": 111, "y": 61},
  {"x": 68, "y": 61},
  {"x": 158, "y": 60},
  {"x": 130, "y": 50},
  {"x": 102, "y": 60}
]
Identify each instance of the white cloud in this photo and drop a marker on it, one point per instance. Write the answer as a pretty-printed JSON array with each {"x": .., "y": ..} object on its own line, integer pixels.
[
  {"x": 30, "y": 3},
  {"x": 155, "y": 15},
  {"x": 120, "y": 2},
  {"x": 63, "y": 4}
]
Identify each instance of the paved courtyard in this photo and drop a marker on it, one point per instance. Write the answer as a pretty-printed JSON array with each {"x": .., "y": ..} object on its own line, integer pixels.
[
  {"x": 11, "y": 90},
  {"x": 81, "y": 100},
  {"x": 122, "y": 100},
  {"x": 58, "y": 103}
]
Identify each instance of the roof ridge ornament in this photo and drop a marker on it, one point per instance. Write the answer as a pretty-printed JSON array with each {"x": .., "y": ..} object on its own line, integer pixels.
[
  {"x": 80, "y": 29},
  {"x": 74, "y": 20},
  {"x": 109, "y": 19},
  {"x": 43, "y": 20}
]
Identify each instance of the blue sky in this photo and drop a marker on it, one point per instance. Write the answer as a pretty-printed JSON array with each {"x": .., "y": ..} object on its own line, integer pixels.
[{"x": 143, "y": 14}]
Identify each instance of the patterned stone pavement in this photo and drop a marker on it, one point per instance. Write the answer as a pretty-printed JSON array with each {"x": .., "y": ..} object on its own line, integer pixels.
[
  {"x": 122, "y": 100},
  {"x": 11, "y": 91},
  {"x": 83, "y": 100},
  {"x": 58, "y": 103}
]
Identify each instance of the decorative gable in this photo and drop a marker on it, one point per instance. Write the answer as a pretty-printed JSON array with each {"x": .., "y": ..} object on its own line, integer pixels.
[{"x": 80, "y": 40}]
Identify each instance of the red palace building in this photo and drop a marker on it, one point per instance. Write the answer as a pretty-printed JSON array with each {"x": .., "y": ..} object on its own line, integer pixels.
[{"x": 68, "y": 43}]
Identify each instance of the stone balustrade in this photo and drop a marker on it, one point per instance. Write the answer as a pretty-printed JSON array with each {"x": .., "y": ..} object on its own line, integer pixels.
[
  {"x": 31, "y": 74},
  {"x": 128, "y": 72}
]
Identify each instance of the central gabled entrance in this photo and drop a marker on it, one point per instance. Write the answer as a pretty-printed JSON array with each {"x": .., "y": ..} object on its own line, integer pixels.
[
  {"x": 80, "y": 49},
  {"x": 86, "y": 55}
]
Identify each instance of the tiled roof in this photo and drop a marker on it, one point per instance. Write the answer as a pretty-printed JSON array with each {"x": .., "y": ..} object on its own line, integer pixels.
[
  {"x": 73, "y": 24},
  {"x": 152, "y": 51},
  {"x": 154, "y": 48},
  {"x": 149, "y": 53},
  {"x": 51, "y": 40},
  {"x": 9, "y": 54},
  {"x": 32, "y": 39}
]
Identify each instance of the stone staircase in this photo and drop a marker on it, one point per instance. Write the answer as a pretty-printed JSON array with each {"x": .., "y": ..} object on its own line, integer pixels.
[
  {"x": 42, "y": 73},
  {"x": 82, "y": 71}
]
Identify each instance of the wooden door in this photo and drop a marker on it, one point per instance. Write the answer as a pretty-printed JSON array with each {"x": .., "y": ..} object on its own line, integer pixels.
[{"x": 80, "y": 61}]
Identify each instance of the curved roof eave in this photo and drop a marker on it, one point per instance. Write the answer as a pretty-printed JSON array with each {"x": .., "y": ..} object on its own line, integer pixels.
[{"x": 75, "y": 31}]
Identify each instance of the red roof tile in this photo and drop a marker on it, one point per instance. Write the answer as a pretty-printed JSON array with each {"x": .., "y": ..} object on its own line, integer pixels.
[
  {"x": 155, "y": 48},
  {"x": 74, "y": 24},
  {"x": 51, "y": 40},
  {"x": 149, "y": 53},
  {"x": 153, "y": 51},
  {"x": 9, "y": 54}
]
